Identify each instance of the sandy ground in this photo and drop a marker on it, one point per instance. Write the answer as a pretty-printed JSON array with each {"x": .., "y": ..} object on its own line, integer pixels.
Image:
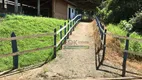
[{"x": 75, "y": 61}]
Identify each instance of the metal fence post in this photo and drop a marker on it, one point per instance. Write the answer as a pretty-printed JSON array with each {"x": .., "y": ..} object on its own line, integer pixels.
[
  {"x": 61, "y": 36},
  {"x": 65, "y": 32},
  {"x": 55, "y": 36},
  {"x": 71, "y": 27},
  {"x": 125, "y": 56},
  {"x": 68, "y": 28},
  {"x": 14, "y": 49},
  {"x": 73, "y": 24}
]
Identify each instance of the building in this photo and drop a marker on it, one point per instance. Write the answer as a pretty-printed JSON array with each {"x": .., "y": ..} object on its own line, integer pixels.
[{"x": 62, "y": 9}]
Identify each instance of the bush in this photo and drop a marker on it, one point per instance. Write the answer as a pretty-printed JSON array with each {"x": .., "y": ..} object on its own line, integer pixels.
[{"x": 125, "y": 25}]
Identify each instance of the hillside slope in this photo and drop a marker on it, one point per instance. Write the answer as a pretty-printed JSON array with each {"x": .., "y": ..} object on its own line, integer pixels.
[{"x": 23, "y": 26}]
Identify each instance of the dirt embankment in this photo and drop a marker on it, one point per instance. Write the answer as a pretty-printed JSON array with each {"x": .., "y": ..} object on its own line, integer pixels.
[{"x": 114, "y": 53}]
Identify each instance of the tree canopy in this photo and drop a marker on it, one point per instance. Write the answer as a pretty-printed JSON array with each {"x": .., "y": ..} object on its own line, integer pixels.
[{"x": 114, "y": 11}]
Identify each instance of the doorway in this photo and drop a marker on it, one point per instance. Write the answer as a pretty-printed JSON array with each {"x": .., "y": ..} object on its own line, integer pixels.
[{"x": 69, "y": 13}]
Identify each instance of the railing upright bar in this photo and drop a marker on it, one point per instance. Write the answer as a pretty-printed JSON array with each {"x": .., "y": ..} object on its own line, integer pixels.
[
  {"x": 55, "y": 39},
  {"x": 125, "y": 56},
  {"x": 73, "y": 24},
  {"x": 65, "y": 32},
  {"x": 61, "y": 36},
  {"x": 14, "y": 49},
  {"x": 68, "y": 28}
]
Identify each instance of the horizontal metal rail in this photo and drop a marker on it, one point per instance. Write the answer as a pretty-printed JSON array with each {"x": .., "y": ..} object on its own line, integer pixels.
[
  {"x": 67, "y": 33},
  {"x": 67, "y": 24}
]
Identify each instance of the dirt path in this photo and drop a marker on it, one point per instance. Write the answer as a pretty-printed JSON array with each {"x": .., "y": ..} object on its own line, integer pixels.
[{"x": 75, "y": 61}]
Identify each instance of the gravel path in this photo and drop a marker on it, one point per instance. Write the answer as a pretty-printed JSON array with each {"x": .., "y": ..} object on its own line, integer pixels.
[{"x": 76, "y": 63}]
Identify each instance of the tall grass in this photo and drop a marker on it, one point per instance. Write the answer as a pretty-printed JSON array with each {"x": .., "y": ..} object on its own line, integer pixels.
[
  {"x": 133, "y": 46},
  {"x": 23, "y": 26}
]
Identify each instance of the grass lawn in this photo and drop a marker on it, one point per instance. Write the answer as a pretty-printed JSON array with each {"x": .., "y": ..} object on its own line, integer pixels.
[{"x": 23, "y": 26}]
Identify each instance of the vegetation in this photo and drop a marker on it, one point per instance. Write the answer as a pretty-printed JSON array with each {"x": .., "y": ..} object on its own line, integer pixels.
[
  {"x": 23, "y": 26},
  {"x": 113, "y": 11},
  {"x": 123, "y": 16},
  {"x": 133, "y": 46}
]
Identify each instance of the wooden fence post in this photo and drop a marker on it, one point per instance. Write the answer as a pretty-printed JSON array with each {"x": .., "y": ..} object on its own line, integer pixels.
[
  {"x": 125, "y": 56},
  {"x": 55, "y": 36},
  {"x": 14, "y": 49},
  {"x": 61, "y": 36},
  {"x": 65, "y": 32}
]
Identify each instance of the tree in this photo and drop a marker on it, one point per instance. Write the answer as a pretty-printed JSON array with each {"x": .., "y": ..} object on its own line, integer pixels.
[{"x": 113, "y": 11}]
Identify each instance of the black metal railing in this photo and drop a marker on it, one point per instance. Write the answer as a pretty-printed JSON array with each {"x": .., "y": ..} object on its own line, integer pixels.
[{"x": 103, "y": 33}]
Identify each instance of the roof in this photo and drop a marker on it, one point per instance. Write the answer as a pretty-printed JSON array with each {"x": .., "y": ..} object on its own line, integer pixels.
[
  {"x": 85, "y": 4},
  {"x": 71, "y": 3}
]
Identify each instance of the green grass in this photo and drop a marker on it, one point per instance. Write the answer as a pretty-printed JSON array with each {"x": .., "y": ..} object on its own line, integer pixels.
[
  {"x": 133, "y": 46},
  {"x": 23, "y": 26}
]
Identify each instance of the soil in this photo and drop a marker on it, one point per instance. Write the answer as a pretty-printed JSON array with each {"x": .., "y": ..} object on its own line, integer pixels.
[{"x": 77, "y": 61}]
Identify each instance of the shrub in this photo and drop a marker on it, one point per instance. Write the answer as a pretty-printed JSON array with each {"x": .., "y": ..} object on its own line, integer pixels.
[{"x": 125, "y": 25}]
